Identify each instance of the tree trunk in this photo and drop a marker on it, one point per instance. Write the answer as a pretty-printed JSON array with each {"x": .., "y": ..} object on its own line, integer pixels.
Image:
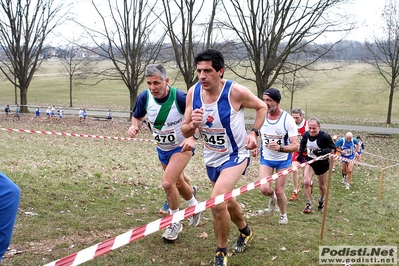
[
  {"x": 391, "y": 92},
  {"x": 24, "y": 99},
  {"x": 292, "y": 100},
  {"x": 133, "y": 98},
  {"x": 70, "y": 91}
]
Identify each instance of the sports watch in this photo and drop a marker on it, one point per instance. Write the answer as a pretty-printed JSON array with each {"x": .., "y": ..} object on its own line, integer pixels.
[{"x": 256, "y": 131}]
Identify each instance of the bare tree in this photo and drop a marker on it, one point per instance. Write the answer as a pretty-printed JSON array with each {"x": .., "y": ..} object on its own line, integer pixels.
[
  {"x": 128, "y": 37},
  {"x": 271, "y": 31},
  {"x": 293, "y": 80},
  {"x": 24, "y": 26},
  {"x": 182, "y": 23},
  {"x": 385, "y": 51},
  {"x": 77, "y": 65}
]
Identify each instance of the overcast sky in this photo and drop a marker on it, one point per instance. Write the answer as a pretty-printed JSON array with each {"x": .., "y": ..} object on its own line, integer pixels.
[{"x": 367, "y": 13}]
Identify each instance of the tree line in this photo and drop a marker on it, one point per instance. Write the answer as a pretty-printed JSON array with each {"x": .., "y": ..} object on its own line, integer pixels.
[{"x": 273, "y": 41}]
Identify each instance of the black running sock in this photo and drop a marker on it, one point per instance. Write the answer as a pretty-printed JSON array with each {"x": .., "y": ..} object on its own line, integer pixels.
[
  {"x": 224, "y": 250},
  {"x": 245, "y": 230}
]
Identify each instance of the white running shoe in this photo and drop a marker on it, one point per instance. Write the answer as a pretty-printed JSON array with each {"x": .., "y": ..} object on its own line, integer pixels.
[
  {"x": 172, "y": 231},
  {"x": 283, "y": 220},
  {"x": 347, "y": 186}
]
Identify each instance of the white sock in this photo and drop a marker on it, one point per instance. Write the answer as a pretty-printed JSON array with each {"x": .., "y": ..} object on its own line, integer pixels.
[
  {"x": 193, "y": 201},
  {"x": 173, "y": 211}
]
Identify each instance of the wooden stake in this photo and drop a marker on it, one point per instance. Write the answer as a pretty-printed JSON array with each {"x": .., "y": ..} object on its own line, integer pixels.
[
  {"x": 326, "y": 196},
  {"x": 381, "y": 182}
]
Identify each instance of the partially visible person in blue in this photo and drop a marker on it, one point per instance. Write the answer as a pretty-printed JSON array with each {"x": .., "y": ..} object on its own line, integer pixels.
[
  {"x": 60, "y": 111},
  {"x": 17, "y": 113},
  {"x": 37, "y": 113},
  {"x": 360, "y": 148},
  {"x": 7, "y": 110},
  {"x": 9, "y": 202},
  {"x": 348, "y": 146},
  {"x": 84, "y": 114},
  {"x": 109, "y": 117}
]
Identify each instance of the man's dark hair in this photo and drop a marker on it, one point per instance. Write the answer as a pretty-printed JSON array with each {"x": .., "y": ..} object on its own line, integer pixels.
[{"x": 211, "y": 55}]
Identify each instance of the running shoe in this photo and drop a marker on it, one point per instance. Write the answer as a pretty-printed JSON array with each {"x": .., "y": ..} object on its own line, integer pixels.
[
  {"x": 283, "y": 220},
  {"x": 220, "y": 259},
  {"x": 242, "y": 242},
  {"x": 165, "y": 209},
  {"x": 344, "y": 180},
  {"x": 347, "y": 186},
  {"x": 308, "y": 208},
  {"x": 272, "y": 204},
  {"x": 172, "y": 231},
  {"x": 321, "y": 206},
  {"x": 195, "y": 219},
  {"x": 294, "y": 196}
]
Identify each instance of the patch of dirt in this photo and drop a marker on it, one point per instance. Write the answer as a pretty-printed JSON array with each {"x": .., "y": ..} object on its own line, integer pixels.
[{"x": 45, "y": 246}]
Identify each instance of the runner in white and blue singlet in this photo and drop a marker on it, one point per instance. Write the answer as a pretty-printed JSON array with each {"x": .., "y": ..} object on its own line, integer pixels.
[
  {"x": 165, "y": 108},
  {"x": 279, "y": 135},
  {"x": 224, "y": 136},
  {"x": 215, "y": 106},
  {"x": 360, "y": 148}
]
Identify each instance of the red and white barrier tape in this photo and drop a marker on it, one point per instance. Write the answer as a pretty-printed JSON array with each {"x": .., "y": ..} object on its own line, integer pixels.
[
  {"x": 374, "y": 155},
  {"x": 142, "y": 231},
  {"x": 73, "y": 134},
  {"x": 354, "y": 161},
  {"x": 381, "y": 157},
  {"x": 387, "y": 167}
]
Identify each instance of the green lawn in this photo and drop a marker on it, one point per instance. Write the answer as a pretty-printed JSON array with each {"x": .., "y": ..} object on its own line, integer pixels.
[
  {"x": 351, "y": 95},
  {"x": 77, "y": 192}
]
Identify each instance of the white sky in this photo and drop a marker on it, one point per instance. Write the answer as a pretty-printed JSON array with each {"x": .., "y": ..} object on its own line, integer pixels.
[{"x": 367, "y": 14}]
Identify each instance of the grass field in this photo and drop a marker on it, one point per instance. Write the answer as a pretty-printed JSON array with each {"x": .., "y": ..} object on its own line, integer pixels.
[
  {"x": 351, "y": 95},
  {"x": 77, "y": 192}
]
